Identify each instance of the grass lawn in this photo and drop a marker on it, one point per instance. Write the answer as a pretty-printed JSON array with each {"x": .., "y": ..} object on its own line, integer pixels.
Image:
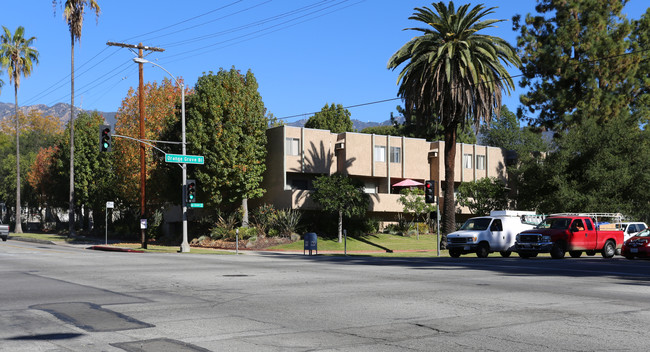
[
  {"x": 376, "y": 242},
  {"x": 377, "y": 245}
]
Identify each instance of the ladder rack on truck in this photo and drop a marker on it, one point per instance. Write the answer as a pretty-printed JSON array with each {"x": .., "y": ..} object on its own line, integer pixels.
[
  {"x": 614, "y": 224},
  {"x": 527, "y": 217}
]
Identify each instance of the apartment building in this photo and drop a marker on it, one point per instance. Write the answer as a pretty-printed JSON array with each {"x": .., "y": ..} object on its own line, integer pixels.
[{"x": 296, "y": 156}]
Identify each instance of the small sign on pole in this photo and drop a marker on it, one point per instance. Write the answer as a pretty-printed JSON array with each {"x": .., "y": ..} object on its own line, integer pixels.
[
  {"x": 109, "y": 205},
  {"x": 143, "y": 224}
]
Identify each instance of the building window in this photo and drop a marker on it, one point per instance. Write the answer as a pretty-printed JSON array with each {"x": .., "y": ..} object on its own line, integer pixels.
[
  {"x": 395, "y": 154},
  {"x": 380, "y": 153},
  {"x": 370, "y": 187},
  {"x": 300, "y": 184},
  {"x": 467, "y": 161},
  {"x": 292, "y": 146},
  {"x": 480, "y": 162}
]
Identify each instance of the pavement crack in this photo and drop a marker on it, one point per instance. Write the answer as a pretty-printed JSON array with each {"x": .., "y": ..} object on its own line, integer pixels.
[{"x": 431, "y": 328}]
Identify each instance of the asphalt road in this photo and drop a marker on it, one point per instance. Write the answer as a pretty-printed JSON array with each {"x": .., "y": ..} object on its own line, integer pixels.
[{"x": 59, "y": 298}]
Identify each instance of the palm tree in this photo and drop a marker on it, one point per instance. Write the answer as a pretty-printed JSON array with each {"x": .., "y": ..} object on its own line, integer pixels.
[
  {"x": 453, "y": 76},
  {"x": 73, "y": 13},
  {"x": 17, "y": 56}
]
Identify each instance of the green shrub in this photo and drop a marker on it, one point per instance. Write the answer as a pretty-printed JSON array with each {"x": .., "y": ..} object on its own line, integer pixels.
[
  {"x": 225, "y": 227},
  {"x": 286, "y": 221},
  {"x": 420, "y": 227},
  {"x": 153, "y": 230},
  {"x": 264, "y": 218},
  {"x": 246, "y": 233},
  {"x": 274, "y": 233}
]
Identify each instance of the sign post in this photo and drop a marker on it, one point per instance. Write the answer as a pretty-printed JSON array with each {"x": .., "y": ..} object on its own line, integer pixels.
[{"x": 109, "y": 205}]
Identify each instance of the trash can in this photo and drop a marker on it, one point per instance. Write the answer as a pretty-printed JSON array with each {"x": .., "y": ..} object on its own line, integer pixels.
[{"x": 311, "y": 243}]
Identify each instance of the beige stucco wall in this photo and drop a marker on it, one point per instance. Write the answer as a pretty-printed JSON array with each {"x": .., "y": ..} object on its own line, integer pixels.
[{"x": 318, "y": 155}]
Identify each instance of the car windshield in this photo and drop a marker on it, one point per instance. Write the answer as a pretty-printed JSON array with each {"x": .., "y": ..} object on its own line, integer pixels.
[
  {"x": 477, "y": 224},
  {"x": 554, "y": 223},
  {"x": 644, "y": 233}
]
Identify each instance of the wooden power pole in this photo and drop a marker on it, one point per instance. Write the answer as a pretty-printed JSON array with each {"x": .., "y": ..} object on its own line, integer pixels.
[{"x": 143, "y": 167}]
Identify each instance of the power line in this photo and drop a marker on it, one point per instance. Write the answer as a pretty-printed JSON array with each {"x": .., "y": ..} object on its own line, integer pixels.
[
  {"x": 345, "y": 107},
  {"x": 260, "y": 33},
  {"x": 251, "y": 24},
  {"x": 62, "y": 82},
  {"x": 184, "y": 21},
  {"x": 204, "y": 23},
  {"x": 482, "y": 82}
]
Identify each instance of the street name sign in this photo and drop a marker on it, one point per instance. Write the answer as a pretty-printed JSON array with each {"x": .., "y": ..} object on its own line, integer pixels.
[
  {"x": 196, "y": 205},
  {"x": 184, "y": 159}
]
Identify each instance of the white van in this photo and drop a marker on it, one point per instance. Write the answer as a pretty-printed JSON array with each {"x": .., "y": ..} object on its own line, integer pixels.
[
  {"x": 631, "y": 228},
  {"x": 488, "y": 234}
]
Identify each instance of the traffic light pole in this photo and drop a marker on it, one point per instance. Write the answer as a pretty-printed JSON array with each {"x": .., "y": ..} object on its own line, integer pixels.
[{"x": 185, "y": 246}]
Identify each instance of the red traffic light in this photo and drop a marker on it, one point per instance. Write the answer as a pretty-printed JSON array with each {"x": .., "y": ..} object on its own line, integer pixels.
[{"x": 429, "y": 196}]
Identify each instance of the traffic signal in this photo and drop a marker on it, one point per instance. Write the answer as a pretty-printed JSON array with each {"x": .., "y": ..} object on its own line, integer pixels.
[
  {"x": 105, "y": 137},
  {"x": 190, "y": 188},
  {"x": 429, "y": 194}
]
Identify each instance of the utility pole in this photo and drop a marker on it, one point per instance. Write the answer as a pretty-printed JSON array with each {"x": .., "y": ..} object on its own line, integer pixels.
[{"x": 143, "y": 167}]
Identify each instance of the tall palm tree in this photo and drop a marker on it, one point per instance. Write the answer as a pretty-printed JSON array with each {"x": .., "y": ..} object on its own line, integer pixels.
[
  {"x": 73, "y": 13},
  {"x": 17, "y": 56},
  {"x": 453, "y": 76}
]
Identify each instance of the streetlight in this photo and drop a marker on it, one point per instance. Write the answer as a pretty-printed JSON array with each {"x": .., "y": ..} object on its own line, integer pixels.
[{"x": 185, "y": 246}]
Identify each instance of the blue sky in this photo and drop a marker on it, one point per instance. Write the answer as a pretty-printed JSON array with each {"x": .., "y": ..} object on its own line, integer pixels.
[{"x": 304, "y": 54}]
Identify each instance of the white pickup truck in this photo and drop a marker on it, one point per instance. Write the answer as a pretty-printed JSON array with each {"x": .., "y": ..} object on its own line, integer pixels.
[
  {"x": 488, "y": 234},
  {"x": 4, "y": 231}
]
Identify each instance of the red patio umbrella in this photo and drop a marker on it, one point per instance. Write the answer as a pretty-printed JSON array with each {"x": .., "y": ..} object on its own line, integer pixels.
[{"x": 407, "y": 183}]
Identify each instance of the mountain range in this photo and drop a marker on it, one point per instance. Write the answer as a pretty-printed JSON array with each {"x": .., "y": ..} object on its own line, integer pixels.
[{"x": 62, "y": 111}]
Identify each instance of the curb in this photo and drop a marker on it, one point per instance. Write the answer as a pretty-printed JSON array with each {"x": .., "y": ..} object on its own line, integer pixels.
[
  {"x": 27, "y": 239},
  {"x": 115, "y": 249}
]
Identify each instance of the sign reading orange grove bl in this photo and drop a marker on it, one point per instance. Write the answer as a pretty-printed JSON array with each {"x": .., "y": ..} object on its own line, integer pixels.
[{"x": 184, "y": 159}]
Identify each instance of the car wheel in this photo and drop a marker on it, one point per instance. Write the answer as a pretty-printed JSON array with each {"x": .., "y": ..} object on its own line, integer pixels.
[
  {"x": 609, "y": 249},
  {"x": 557, "y": 251},
  {"x": 590, "y": 253},
  {"x": 505, "y": 254},
  {"x": 575, "y": 254},
  {"x": 454, "y": 252},
  {"x": 483, "y": 250}
]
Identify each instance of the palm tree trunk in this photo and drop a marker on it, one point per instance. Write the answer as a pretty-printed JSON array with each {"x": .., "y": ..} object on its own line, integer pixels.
[
  {"x": 449, "y": 204},
  {"x": 71, "y": 210},
  {"x": 19, "y": 227}
]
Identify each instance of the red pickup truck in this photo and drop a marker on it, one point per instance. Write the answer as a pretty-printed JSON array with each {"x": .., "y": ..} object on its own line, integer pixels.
[{"x": 575, "y": 234}]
